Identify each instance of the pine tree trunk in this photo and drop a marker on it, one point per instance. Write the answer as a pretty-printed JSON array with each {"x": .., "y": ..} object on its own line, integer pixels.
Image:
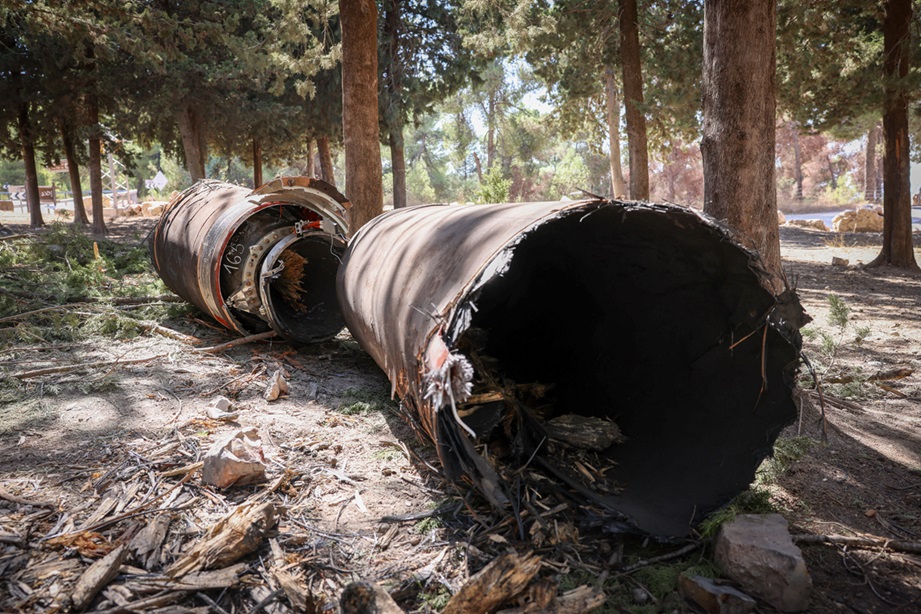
[
  {"x": 398, "y": 162},
  {"x": 394, "y": 114},
  {"x": 870, "y": 174},
  {"x": 618, "y": 189},
  {"x": 311, "y": 170},
  {"x": 326, "y": 161},
  {"x": 257, "y": 163},
  {"x": 73, "y": 170},
  {"x": 191, "y": 134},
  {"x": 490, "y": 131},
  {"x": 897, "y": 247},
  {"x": 28, "y": 157},
  {"x": 633, "y": 100},
  {"x": 738, "y": 130},
  {"x": 361, "y": 132},
  {"x": 95, "y": 168},
  {"x": 479, "y": 166},
  {"x": 797, "y": 161},
  {"x": 832, "y": 173}
]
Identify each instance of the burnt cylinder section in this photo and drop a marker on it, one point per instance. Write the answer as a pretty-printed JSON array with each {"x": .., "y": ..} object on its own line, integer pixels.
[
  {"x": 257, "y": 260},
  {"x": 625, "y": 356}
]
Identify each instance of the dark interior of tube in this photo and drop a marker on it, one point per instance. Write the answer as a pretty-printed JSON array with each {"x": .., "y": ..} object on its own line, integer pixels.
[
  {"x": 316, "y": 316},
  {"x": 631, "y": 318}
]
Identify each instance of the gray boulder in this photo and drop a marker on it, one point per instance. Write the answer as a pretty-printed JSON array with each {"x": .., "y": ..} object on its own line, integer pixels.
[{"x": 757, "y": 552}]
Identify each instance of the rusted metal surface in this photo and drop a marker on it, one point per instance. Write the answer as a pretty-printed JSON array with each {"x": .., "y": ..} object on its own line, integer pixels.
[
  {"x": 225, "y": 249},
  {"x": 646, "y": 315}
]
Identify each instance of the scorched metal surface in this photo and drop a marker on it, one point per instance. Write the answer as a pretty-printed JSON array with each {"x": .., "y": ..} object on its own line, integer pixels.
[
  {"x": 647, "y": 316},
  {"x": 256, "y": 260}
]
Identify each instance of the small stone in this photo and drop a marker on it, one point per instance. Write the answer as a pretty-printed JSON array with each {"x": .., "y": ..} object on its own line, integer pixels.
[
  {"x": 835, "y": 261},
  {"x": 278, "y": 386},
  {"x": 640, "y": 596},
  {"x": 714, "y": 598},
  {"x": 220, "y": 403},
  {"x": 757, "y": 552},
  {"x": 217, "y": 409},
  {"x": 870, "y": 513},
  {"x": 236, "y": 458}
]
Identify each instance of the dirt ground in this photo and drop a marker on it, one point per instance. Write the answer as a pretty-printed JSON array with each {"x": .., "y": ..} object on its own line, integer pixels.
[{"x": 360, "y": 498}]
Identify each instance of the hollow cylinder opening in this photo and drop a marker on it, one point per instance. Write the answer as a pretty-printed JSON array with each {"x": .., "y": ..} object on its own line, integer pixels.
[
  {"x": 298, "y": 287},
  {"x": 278, "y": 274},
  {"x": 634, "y": 321}
]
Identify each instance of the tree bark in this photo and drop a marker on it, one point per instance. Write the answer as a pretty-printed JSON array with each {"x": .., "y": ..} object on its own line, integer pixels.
[
  {"x": 360, "y": 128},
  {"x": 897, "y": 247},
  {"x": 95, "y": 168},
  {"x": 311, "y": 169},
  {"x": 797, "y": 161},
  {"x": 618, "y": 189},
  {"x": 326, "y": 161},
  {"x": 490, "y": 131},
  {"x": 633, "y": 100},
  {"x": 73, "y": 170},
  {"x": 28, "y": 157},
  {"x": 870, "y": 192},
  {"x": 257, "y": 162},
  {"x": 395, "y": 107},
  {"x": 738, "y": 131},
  {"x": 398, "y": 163},
  {"x": 832, "y": 173},
  {"x": 479, "y": 167},
  {"x": 192, "y": 138}
]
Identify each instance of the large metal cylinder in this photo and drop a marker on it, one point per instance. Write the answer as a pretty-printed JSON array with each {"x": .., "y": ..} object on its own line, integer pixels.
[
  {"x": 501, "y": 326},
  {"x": 257, "y": 260}
]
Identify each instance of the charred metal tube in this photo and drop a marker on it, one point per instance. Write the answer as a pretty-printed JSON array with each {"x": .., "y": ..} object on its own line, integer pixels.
[
  {"x": 623, "y": 355},
  {"x": 257, "y": 260}
]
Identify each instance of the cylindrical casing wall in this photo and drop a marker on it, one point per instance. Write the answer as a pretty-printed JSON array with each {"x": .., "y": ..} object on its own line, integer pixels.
[
  {"x": 213, "y": 246},
  {"x": 496, "y": 322}
]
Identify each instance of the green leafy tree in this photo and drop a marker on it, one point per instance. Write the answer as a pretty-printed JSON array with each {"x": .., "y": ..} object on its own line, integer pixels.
[{"x": 422, "y": 61}]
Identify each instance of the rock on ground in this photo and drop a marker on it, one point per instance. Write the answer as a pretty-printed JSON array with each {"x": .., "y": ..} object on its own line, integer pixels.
[
  {"x": 757, "y": 552},
  {"x": 859, "y": 220}
]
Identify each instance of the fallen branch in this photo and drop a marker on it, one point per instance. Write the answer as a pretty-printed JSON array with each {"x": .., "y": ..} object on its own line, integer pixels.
[
  {"x": 123, "y": 300},
  {"x": 868, "y": 541},
  {"x": 659, "y": 559},
  {"x": 26, "y": 314},
  {"x": 86, "y": 366},
  {"x": 21, "y": 501},
  {"x": 11, "y": 237},
  {"x": 159, "y": 329},
  {"x": 241, "y": 341},
  {"x": 882, "y": 376},
  {"x": 139, "y": 300}
]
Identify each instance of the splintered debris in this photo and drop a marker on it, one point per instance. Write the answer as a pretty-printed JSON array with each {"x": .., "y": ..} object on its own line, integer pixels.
[
  {"x": 504, "y": 578},
  {"x": 290, "y": 281},
  {"x": 235, "y": 459},
  {"x": 239, "y": 533}
]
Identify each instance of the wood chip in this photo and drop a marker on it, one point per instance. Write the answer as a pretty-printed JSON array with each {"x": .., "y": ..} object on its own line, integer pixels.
[
  {"x": 97, "y": 576},
  {"x": 367, "y": 598},
  {"x": 234, "y": 536},
  {"x": 501, "y": 580},
  {"x": 146, "y": 545}
]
